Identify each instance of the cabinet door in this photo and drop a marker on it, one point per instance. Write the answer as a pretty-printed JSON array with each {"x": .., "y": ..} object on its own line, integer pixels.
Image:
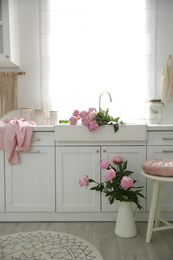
[
  {"x": 9, "y": 33},
  {"x": 156, "y": 152},
  {"x": 2, "y": 207},
  {"x": 30, "y": 185},
  {"x": 135, "y": 155},
  {"x": 4, "y": 31},
  {"x": 71, "y": 163}
]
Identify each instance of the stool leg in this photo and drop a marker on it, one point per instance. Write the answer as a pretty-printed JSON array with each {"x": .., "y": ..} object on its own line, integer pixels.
[
  {"x": 159, "y": 204},
  {"x": 152, "y": 211}
]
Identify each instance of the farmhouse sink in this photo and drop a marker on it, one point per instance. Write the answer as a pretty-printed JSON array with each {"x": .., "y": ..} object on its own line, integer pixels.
[{"x": 127, "y": 132}]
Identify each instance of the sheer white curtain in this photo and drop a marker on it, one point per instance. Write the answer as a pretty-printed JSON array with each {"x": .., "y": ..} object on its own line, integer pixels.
[{"x": 90, "y": 46}]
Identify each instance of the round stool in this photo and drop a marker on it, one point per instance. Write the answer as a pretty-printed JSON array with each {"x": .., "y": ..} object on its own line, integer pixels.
[{"x": 160, "y": 171}]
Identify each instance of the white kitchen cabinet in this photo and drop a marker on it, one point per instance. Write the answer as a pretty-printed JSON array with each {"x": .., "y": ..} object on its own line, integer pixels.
[
  {"x": 2, "y": 206},
  {"x": 9, "y": 33},
  {"x": 30, "y": 185},
  {"x": 71, "y": 163},
  {"x": 40, "y": 184},
  {"x": 160, "y": 145},
  {"x": 135, "y": 155}
]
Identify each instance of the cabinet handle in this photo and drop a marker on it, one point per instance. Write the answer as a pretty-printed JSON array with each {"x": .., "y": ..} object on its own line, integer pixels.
[
  {"x": 36, "y": 139},
  {"x": 32, "y": 151},
  {"x": 104, "y": 151},
  {"x": 97, "y": 151},
  {"x": 167, "y": 151},
  {"x": 167, "y": 138}
]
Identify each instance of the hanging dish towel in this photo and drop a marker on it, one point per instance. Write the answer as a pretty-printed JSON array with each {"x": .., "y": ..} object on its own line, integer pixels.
[
  {"x": 167, "y": 81},
  {"x": 8, "y": 92},
  {"x": 15, "y": 136}
]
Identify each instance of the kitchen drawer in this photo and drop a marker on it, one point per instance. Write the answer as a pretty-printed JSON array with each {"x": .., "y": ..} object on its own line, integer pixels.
[
  {"x": 160, "y": 138},
  {"x": 43, "y": 139}
]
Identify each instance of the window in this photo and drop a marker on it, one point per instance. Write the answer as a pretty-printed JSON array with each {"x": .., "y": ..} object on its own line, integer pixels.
[{"x": 91, "y": 46}]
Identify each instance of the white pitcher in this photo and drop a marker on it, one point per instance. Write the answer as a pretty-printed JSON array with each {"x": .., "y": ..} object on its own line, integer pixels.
[{"x": 125, "y": 226}]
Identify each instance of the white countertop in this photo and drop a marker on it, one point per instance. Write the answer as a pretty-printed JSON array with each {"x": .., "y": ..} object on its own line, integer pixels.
[
  {"x": 162, "y": 127},
  {"x": 44, "y": 128}
]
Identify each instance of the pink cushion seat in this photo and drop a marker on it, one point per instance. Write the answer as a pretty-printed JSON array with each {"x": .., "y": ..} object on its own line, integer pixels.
[{"x": 159, "y": 167}]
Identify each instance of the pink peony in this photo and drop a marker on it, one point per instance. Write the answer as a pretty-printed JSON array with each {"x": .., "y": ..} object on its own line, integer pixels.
[
  {"x": 117, "y": 159},
  {"x": 109, "y": 175},
  {"x": 84, "y": 181},
  {"x": 92, "y": 115},
  {"x": 126, "y": 182},
  {"x": 104, "y": 164},
  {"x": 85, "y": 120},
  {"x": 76, "y": 113},
  {"x": 73, "y": 120},
  {"x": 91, "y": 109},
  {"x": 83, "y": 113},
  {"x": 92, "y": 125}
]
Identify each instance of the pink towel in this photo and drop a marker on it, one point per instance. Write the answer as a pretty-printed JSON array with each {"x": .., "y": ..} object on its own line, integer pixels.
[{"x": 15, "y": 135}]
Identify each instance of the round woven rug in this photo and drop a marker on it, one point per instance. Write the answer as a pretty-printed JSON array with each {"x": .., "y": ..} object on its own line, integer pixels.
[{"x": 46, "y": 245}]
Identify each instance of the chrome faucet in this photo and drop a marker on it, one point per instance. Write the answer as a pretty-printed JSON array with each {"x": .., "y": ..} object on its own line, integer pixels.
[{"x": 100, "y": 98}]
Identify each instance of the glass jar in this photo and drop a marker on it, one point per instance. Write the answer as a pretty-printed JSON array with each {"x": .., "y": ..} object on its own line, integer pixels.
[
  {"x": 53, "y": 117},
  {"x": 40, "y": 116},
  {"x": 27, "y": 113},
  {"x": 154, "y": 111}
]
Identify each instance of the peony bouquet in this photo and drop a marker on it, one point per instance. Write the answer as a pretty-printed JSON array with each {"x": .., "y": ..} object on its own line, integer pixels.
[
  {"x": 118, "y": 185},
  {"x": 93, "y": 119}
]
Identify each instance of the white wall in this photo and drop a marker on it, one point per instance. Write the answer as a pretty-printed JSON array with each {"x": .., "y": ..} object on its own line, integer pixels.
[
  {"x": 164, "y": 47},
  {"x": 29, "y": 85},
  {"x": 29, "y": 94}
]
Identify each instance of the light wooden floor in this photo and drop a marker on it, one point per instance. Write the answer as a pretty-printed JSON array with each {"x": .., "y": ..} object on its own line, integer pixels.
[{"x": 101, "y": 234}]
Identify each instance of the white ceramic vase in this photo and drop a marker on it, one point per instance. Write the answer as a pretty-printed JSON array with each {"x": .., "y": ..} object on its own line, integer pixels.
[{"x": 125, "y": 226}]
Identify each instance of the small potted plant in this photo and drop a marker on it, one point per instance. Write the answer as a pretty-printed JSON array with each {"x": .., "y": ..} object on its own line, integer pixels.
[{"x": 118, "y": 186}]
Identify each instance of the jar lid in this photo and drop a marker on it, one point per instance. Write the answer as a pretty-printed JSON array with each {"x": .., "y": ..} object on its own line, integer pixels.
[{"x": 154, "y": 100}]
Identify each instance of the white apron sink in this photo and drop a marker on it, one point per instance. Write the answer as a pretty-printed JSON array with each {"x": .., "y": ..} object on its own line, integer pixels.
[{"x": 75, "y": 133}]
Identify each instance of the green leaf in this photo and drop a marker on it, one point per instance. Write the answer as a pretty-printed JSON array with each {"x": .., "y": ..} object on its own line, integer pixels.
[
  {"x": 140, "y": 187},
  {"x": 125, "y": 166},
  {"x": 111, "y": 199},
  {"x": 103, "y": 118},
  {"x": 116, "y": 119},
  {"x": 120, "y": 167},
  {"x": 127, "y": 173},
  {"x": 125, "y": 197},
  {"x": 141, "y": 195},
  {"x": 108, "y": 185},
  {"x": 116, "y": 127},
  {"x": 93, "y": 188},
  {"x": 101, "y": 187}
]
